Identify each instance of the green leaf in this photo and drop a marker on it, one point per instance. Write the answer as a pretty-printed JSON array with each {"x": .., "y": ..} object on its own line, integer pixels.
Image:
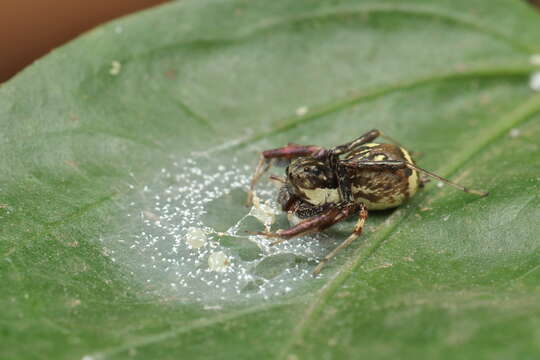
[
  {"x": 117, "y": 145},
  {"x": 273, "y": 265}
]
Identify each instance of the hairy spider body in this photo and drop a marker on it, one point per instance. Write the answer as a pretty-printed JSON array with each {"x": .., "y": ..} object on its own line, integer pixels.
[{"x": 325, "y": 186}]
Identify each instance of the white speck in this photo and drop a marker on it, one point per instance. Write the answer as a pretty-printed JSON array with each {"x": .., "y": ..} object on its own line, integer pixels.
[
  {"x": 535, "y": 59},
  {"x": 212, "y": 307},
  {"x": 115, "y": 68},
  {"x": 87, "y": 357},
  {"x": 514, "y": 133},
  {"x": 446, "y": 217},
  {"x": 196, "y": 237},
  {"x": 302, "y": 110},
  {"x": 440, "y": 184},
  {"x": 118, "y": 29},
  {"x": 218, "y": 261},
  {"x": 534, "y": 82}
]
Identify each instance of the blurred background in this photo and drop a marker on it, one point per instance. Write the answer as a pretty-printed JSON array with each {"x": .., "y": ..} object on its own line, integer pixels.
[{"x": 31, "y": 28}]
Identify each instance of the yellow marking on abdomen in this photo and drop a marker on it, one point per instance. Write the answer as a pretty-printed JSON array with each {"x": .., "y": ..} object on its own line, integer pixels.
[{"x": 413, "y": 179}]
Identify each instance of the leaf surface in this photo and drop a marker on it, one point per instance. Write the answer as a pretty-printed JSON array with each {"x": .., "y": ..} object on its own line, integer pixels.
[{"x": 93, "y": 132}]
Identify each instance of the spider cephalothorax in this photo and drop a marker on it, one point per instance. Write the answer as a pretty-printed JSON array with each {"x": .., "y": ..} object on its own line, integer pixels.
[
  {"x": 325, "y": 186},
  {"x": 313, "y": 180}
]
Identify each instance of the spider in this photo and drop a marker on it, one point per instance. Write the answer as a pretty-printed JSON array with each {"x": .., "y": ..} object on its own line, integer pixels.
[{"x": 325, "y": 186}]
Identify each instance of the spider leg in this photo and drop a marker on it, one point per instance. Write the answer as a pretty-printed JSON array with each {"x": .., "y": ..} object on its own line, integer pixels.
[
  {"x": 363, "y": 139},
  {"x": 263, "y": 166},
  {"x": 267, "y": 158},
  {"x": 446, "y": 181},
  {"x": 318, "y": 223},
  {"x": 327, "y": 218},
  {"x": 368, "y": 137},
  {"x": 362, "y": 216}
]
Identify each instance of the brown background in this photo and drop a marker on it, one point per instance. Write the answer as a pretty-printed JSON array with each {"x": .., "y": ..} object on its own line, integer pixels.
[{"x": 31, "y": 28}]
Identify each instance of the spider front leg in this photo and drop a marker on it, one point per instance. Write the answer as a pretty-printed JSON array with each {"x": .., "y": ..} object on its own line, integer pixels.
[
  {"x": 362, "y": 216},
  {"x": 361, "y": 140},
  {"x": 317, "y": 223},
  {"x": 267, "y": 158},
  {"x": 320, "y": 222}
]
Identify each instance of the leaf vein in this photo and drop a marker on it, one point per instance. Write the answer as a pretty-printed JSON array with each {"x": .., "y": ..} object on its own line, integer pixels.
[
  {"x": 271, "y": 24},
  {"x": 465, "y": 72}
]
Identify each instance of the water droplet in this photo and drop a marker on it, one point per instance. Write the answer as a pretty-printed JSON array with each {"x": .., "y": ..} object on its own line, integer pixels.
[
  {"x": 514, "y": 133},
  {"x": 302, "y": 110},
  {"x": 116, "y": 67}
]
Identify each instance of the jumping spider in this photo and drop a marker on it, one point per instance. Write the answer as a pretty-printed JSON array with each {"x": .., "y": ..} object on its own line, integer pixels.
[{"x": 326, "y": 186}]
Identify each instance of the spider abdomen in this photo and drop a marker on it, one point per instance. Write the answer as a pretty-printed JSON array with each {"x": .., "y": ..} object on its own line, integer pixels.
[{"x": 380, "y": 189}]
